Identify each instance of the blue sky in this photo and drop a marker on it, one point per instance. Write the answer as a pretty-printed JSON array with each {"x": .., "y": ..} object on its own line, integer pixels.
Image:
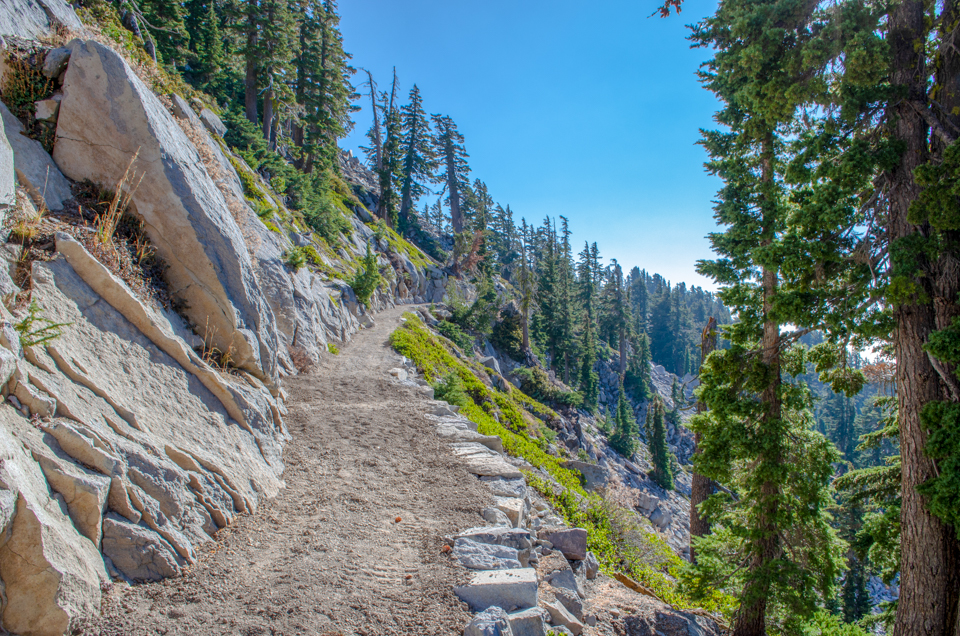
[{"x": 586, "y": 111}]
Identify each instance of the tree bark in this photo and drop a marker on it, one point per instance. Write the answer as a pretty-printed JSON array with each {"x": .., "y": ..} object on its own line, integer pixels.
[
  {"x": 701, "y": 487},
  {"x": 751, "y": 617},
  {"x": 267, "y": 114},
  {"x": 930, "y": 558},
  {"x": 453, "y": 186}
]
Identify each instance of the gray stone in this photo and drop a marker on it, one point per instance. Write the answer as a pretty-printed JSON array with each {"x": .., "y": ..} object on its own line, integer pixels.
[
  {"x": 529, "y": 622},
  {"x": 485, "y": 556},
  {"x": 107, "y": 116},
  {"x": 514, "y": 508},
  {"x": 31, "y": 19},
  {"x": 480, "y": 460},
  {"x": 452, "y": 433},
  {"x": 661, "y": 518},
  {"x": 139, "y": 553},
  {"x": 51, "y": 573},
  {"x": 511, "y": 537},
  {"x": 8, "y": 175},
  {"x": 495, "y": 516},
  {"x": 491, "y": 363},
  {"x": 572, "y": 542},
  {"x": 565, "y": 579},
  {"x": 509, "y": 589},
  {"x": 212, "y": 122},
  {"x": 35, "y": 170},
  {"x": 182, "y": 110},
  {"x": 47, "y": 109},
  {"x": 506, "y": 487},
  {"x": 55, "y": 61},
  {"x": 490, "y": 622},
  {"x": 593, "y": 476},
  {"x": 560, "y": 617},
  {"x": 571, "y": 601},
  {"x": 592, "y": 567}
]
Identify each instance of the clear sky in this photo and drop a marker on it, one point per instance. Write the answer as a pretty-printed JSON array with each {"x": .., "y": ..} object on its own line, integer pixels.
[{"x": 589, "y": 111}]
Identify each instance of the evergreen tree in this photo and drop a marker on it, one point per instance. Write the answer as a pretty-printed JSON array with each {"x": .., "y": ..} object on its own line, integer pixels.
[
  {"x": 418, "y": 156},
  {"x": 624, "y": 437},
  {"x": 448, "y": 147},
  {"x": 660, "y": 454},
  {"x": 206, "y": 47},
  {"x": 756, "y": 437},
  {"x": 165, "y": 23}
]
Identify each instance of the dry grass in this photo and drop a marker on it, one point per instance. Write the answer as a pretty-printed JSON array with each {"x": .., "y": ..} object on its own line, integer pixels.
[{"x": 108, "y": 221}]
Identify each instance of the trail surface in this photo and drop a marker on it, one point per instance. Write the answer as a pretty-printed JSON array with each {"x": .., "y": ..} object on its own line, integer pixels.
[{"x": 327, "y": 555}]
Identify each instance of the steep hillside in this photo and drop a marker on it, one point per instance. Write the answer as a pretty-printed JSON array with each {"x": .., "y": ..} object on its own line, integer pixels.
[{"x": 156, "y": 290}]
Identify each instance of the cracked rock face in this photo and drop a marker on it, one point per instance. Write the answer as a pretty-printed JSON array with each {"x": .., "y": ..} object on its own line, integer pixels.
[
  {"x": 50, "y": 571},
  {"x": 107, "y": 116}
]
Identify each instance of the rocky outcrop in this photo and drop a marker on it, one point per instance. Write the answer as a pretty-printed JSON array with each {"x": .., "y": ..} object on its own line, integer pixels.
[
  {"x": 35, "y": 171},
  {"x": 107, "y": 117},
  {"x": 51, "y": 573},
  {"x": 8, "y": 181},
  {"x": 30, "y": 19}
]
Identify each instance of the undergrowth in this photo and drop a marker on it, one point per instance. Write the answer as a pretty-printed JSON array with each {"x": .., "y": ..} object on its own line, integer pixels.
[{"x": 613, "y": 533}]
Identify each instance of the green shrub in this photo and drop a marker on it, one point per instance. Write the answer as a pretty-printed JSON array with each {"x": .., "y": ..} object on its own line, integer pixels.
[
  {"x": 507, "y": 336},
  {"x": 450, "y": 389},
  {"x": 36, "y": 329},
  {"x": 367, "y": 278},
  {"x": 332, "y": 348},
  {"x": 456, "y": 335},
  {"x": 295, "y": 258},
  {"x": 536, "y": 383}
]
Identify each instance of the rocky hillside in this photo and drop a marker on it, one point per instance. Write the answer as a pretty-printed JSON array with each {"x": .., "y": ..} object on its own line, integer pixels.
[{"x": 155, "y": 293}]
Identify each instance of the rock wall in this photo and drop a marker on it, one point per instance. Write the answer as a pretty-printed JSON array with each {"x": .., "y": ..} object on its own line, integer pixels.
[{"x": 122, "y": 449}]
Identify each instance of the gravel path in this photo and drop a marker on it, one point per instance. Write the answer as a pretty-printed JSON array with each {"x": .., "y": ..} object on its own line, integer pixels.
[{"x": 328, "y": 556}]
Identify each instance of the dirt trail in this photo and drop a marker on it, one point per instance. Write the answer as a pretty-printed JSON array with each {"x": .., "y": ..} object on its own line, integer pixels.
[{"x": 327, "y": 555}]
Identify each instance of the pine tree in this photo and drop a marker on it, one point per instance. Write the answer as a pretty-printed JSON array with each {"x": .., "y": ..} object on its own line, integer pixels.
[
  {"x": 660, "y": 454},
  {"x": 624, "y": 437},
  {"x": 206, "y": 47},
  {"x": 418, "y": 156},
  {"x": 448, "y": 146},
  {"x": 756, "y": 437},
  {"x": 164, "y": 20}
]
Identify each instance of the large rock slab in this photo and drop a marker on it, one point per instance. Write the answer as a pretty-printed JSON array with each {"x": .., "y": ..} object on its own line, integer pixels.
[
  {"x": 138, "y": 552},
  {"x": 8, "y": 176},
  {"x": 35, "y": 170},
  {"x": 106, "y": 116},
  {"x": 509, "y": 589},
  {"x": 572, "y": 542},
  {"x": 484, "y": 556},
  {"x": 593, "y": 476},
  {"x": 490, "y": 622},
  {"x": 31, "y": 19},
  {"x": 480, "y": 460},
  {"x": 177, "y": 460},
  {"x": 452, "y": 433},
  {"x": 516, "y": 538},
  {"x": 51, "y": 573}
]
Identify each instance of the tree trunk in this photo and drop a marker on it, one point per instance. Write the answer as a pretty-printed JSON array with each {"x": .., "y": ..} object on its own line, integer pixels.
[
  {"x": 623, "y": 350},
  {"x": 930, "y": 559},
  {"x": 250, "y": 79},
  {"x": 751, "y": 616},
  {"x": 453, "y": 186},
  {"x": 702, "y": 487},
  {"x": 406, "y": 192},
  {"x": 267, "y": 115},
  {"x": 377, "y": 143}
]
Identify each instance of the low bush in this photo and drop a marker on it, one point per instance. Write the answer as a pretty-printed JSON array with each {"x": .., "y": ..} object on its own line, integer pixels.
[
  {"x": 536, "y": 383},
  {"x": 455, "y": 333},
  {"x": 450, "y": 389}
]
